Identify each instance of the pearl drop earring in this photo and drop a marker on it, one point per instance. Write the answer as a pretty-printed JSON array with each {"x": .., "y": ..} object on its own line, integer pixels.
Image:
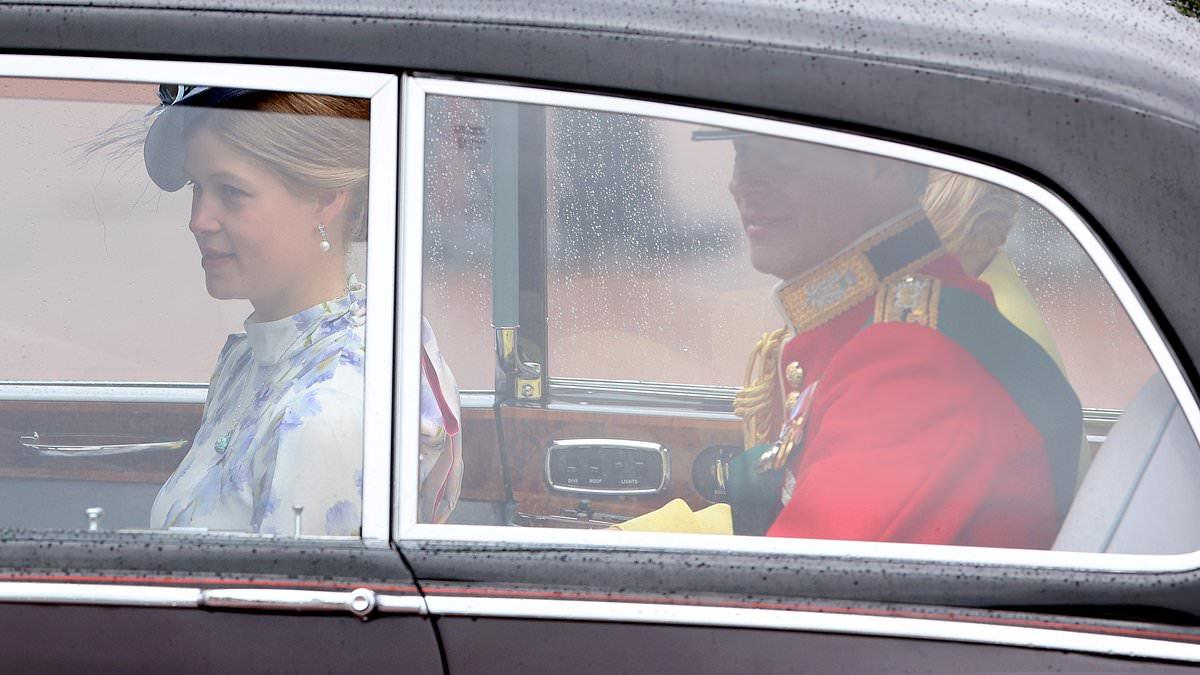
[{"x": 324, "y": 238}]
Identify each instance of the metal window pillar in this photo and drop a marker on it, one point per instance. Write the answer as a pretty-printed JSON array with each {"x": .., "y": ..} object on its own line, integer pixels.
[{"x": 519, "y": 250}]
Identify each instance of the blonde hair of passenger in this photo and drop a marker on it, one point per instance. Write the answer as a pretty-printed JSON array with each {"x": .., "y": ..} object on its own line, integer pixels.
[
  {"x": 972, "y": 217},
  {"x": 313, "y": 142}
]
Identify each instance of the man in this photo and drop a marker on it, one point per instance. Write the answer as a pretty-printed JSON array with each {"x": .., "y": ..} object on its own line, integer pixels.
[{"x": 899, "y": 405}]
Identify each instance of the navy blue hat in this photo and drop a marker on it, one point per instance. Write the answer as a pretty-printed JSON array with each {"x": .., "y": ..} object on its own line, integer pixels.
[{"x": 182, "y": 105}]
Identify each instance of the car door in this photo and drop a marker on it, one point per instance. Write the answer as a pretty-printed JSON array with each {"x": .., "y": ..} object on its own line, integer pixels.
[
  {"x": 616, "y": 317},
  {"x": 109, "y": 340}
]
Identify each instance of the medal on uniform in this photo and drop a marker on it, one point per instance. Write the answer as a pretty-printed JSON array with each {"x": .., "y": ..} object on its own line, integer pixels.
[{"x": 791, "y": 436}]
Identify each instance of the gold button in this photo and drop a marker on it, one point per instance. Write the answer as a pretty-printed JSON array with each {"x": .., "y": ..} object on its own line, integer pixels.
[
  {"x": 792, "y": 399},
  {"x": 795, "y": 374}
]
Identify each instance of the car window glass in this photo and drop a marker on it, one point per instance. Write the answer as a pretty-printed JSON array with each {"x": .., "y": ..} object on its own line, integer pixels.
[
  {"x": 756, "y": 335},
  {"x": 186, "y": 307},
  {"x": 458, "y": 236},
  {"x": 87, "y": 231}
]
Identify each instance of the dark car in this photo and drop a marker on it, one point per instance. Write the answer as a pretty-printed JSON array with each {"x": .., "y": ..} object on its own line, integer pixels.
[{"x": 565, "y": 193}]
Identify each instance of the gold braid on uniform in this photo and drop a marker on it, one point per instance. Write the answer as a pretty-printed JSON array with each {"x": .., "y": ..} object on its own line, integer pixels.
[{"x": 757, "y": 402}]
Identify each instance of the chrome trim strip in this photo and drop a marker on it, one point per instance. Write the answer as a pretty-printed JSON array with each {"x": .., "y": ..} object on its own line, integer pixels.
[
  {"x": 612, "y": 442},
  {"x": 360, "y": 601},
  {"x": 401, "y": 604},
  {"x": 630, "y": 410},
  {"x": 105, "y": 392},
  {"x": 408, "y": 281},
  {"x": 568, "y": 385},
  {"x": 274, "y": 599},
  {"x": 43, "y": 593},
  {"x": 381, "y": 314},
  {"x": 816, "y": 622},
  {"x": 382, "y": 89},
  {"x": 1102, "y": 415},
  {"x": 476, "y": 399},
  {"x": 418, "y": 88}
]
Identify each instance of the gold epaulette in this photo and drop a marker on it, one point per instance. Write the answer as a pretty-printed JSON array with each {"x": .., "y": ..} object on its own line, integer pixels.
[
  {"x": 758, "y": 401},
  {"x": 912, "y": 298}
]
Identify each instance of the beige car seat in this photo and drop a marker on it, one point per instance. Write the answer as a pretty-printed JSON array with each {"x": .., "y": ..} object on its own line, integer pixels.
[{"x": 1142, "y": 493}]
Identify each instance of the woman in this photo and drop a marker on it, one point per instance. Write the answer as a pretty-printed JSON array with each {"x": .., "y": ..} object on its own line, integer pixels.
[{"x": 279, "y": 192}]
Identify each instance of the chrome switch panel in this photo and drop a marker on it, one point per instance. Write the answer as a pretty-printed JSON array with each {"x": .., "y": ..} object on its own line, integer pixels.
[{"x": 607, "y": 466}]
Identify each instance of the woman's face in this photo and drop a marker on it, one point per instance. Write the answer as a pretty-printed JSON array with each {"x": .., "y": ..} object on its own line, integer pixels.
[{"x": 258, "y": 240}]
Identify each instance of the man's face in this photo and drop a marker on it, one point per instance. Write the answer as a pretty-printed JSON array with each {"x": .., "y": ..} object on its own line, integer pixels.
[{"x": 802, "y": 203}]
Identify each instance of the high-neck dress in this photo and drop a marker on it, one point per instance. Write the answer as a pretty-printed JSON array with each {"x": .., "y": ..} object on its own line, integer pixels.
[{"x": 283, "y": 427}]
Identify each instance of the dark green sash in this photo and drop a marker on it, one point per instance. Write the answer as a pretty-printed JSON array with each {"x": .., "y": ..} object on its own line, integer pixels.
[{"x": 1031, "y": 377}]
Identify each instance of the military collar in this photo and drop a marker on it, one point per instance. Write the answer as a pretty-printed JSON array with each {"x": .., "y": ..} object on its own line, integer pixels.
[{"x": 901, "y": 246}]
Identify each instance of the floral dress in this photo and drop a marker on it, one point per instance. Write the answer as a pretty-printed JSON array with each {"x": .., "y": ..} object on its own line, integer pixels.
[{"x": 283, "y": 428}]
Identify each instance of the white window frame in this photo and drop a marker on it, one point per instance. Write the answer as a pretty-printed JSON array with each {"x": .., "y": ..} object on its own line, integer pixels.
[
  {"x": 415, "y": 91},
  {"x": 382, "y": 89}
]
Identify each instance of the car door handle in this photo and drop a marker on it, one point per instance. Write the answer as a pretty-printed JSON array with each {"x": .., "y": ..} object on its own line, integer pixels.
[
  {"x": 360, "y": 602},
  {"x": 84, "y": 445}
]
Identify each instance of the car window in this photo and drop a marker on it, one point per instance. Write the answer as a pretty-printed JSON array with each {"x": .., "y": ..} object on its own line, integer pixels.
[
  {"x": 793, "y": 334},
  {"x": 89, "y": 230},
  {"x": 187, "y": 307},
  {"x": 458, "y": 242}
]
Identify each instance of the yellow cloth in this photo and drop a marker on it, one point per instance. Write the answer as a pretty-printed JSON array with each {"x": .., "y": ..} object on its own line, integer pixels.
[{"x": 676, "y": 516}]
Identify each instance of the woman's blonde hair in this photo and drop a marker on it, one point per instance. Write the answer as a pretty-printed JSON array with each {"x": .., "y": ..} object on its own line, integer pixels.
[
  {"x": 972, "y": 217},
  {"x": 313, "y": 142}
]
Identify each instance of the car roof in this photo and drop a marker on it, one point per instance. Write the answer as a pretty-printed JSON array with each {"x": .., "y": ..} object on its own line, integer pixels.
[
  {"x": 1141, "y": 53},
  {"x": 1098, "y": 100}
]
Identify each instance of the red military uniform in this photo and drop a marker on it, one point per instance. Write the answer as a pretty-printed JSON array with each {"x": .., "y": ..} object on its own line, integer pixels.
[{"x": 904, "y": 432}]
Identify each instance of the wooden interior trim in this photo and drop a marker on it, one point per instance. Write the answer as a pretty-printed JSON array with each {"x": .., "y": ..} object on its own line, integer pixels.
[{"x": 529, "y": 431}]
